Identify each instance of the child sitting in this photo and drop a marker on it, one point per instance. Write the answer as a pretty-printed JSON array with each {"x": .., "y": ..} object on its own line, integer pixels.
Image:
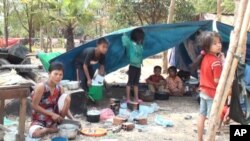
[
  {"x": 174, "y": 84},
  {"x": 156, "y": 81}
]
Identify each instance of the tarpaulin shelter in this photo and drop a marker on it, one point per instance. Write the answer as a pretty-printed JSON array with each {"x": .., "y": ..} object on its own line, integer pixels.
[{"x": 158, "y": 38}]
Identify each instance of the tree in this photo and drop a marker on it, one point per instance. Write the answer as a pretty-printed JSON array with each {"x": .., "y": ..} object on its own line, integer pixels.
[
  {"x": 170, "y": 20},
  {"x": 6, "y": 12},
  {"x": 70, "y": 14},
  {"x": 209, "y": 6},
  {"x": 25, "y": 11}
]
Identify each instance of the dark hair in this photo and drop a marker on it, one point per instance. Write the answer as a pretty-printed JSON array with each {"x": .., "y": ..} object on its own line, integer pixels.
[
  {"x": 102, "y": 41},
  {"x": 205, "y": 41},
  {"x": 137, "y": 35},
  {"x": 157, "y": 67},
  {"x": 172, "y": 68},
  {"x": 55, "y": 66}
]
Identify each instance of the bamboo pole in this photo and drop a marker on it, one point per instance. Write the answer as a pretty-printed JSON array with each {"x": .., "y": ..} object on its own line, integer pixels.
[
  {"x": 169, "y": 20},
  {"x": 219, "y": 10},
  {"x": 228, "y": 72}
]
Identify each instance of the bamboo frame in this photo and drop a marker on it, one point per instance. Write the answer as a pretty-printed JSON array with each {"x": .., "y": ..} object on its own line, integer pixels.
[{"x": 237, "y": 41}]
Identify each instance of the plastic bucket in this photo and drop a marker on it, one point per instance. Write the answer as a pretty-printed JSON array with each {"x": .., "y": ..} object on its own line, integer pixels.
[{"x": 96, "y": 92}]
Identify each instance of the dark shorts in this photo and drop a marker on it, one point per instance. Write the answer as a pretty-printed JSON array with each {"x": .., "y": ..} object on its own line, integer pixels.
[
  {"x": 134, "y": 74},
  {"x": 83, "y": 77}
]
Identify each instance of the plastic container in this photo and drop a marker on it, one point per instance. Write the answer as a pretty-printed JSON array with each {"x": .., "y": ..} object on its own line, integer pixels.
[
  {"x": 96, "y": 92},
  {"x": 59, "y": 139}
]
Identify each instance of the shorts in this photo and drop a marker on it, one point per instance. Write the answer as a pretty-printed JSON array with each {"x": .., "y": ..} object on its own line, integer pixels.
[
  {"x": 134, "y": 74},
  {"x": 205, "y": 104},
  {"x": 60, "y": 104},
  {"x": 83, "y": 78}
]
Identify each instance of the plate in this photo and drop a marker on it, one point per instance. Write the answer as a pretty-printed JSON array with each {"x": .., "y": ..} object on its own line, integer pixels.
[{"x": 94, "y": 132}]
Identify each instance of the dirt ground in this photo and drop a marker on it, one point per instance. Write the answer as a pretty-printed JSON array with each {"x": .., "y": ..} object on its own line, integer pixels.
[{"x": 174, "y": 109}]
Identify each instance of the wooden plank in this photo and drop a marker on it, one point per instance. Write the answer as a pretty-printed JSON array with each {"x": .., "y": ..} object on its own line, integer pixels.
[
  {"x": 14, "y": 93},
  {"x": 24, "y": 85},
  {"x": 22, "y": 117},
  {"x": 1, "y": 111}
]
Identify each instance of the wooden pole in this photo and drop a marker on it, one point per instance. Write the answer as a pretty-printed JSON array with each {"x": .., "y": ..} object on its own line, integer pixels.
[
  {"x": 170, "y": 20},
  {"x": 219, "y": 10},
  {"x": 230, "y": 66}
]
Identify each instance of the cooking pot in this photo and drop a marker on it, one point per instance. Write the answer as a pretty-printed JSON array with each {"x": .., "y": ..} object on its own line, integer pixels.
[
  {"x": 68, "y": 130},
  {"x": 93, "y": 116}
]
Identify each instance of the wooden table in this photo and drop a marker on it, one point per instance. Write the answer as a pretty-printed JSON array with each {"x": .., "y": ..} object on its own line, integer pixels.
[{"x": 14, "y": 92}]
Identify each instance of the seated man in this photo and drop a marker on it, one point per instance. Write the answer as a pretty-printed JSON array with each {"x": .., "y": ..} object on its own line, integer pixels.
[
  {"x": 49, "y": 104},
  {"x": 156, "y": 81},
  {"x": 174, "y": 84}
]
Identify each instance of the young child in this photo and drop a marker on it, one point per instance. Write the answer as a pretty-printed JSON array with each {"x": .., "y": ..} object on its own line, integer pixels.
[
  {"x": 210, "y": 71},
  {"x": 87, "y": 58},
  {"x": 156, "y": 81},
  {"x": 174, "y": 84},
  {"x": 134, "y": 50}
]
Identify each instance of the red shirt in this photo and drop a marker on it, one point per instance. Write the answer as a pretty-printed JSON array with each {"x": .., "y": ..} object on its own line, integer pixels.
[
  {"x": 211, "y": 68},
  {"x": 155, "y": 78}
]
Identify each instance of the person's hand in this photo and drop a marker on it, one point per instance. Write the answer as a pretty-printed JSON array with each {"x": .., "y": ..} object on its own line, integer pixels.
[
  {"x": 89, "y": 82},
  {"x": 56, "y": 118},
  {"x": 222, "y": 56}
]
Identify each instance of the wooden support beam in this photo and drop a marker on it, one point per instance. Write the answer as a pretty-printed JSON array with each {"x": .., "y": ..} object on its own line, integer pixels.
[{"x": 225, "y": 83}]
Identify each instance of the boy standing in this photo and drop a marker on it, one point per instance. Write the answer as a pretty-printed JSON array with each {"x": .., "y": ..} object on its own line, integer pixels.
[{"x": 89, "y": 57}]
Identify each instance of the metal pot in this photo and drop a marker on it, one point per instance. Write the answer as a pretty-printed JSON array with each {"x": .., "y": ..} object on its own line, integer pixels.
[
  {"x": 93, "y": 116},
  {"x": 68, "y": 130},
  {"x": 73, "y": 85}
]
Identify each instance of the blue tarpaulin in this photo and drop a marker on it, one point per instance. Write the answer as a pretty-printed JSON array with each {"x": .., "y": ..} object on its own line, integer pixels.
[{"x": 158, "y": 38}]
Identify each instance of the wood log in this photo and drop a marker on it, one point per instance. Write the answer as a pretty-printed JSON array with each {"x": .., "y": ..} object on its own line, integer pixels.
[
  {"x": 231, "y": 64},
  {"x": 23, "y": 66}
]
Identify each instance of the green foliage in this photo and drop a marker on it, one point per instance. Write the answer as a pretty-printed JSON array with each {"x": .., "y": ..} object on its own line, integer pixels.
[{"x": 210, "y": 6}]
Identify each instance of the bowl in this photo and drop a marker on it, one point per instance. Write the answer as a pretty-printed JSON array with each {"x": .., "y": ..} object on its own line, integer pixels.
[
  {"x": 59, "y": 139},
  {"x": 73, "y": 85},
  {"x": 64, "y": 82}
]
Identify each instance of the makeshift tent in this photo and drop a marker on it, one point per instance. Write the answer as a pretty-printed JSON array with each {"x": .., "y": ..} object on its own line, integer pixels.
[
  {"x": 158, "y": 38},
  {"x": 46, "y": 57}
]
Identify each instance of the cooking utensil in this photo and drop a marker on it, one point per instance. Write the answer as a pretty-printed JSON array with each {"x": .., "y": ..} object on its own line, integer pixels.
[
  {"x": 59, "y": 139},
  {"x": 68, "y": 130},
  {"x": 94, "y": 132},
  {"x": 161, "y": 96},
  {"x": 93, "y": 116},
  {"x": 73, "y": 85},
  {"x": 64, "y": 82},
  {"x": 69, "y": 121}
]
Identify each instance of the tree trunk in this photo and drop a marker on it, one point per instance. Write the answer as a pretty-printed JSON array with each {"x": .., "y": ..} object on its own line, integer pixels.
[
  {"x": 30, "y": 35},
  {"x": 70, "y": 38},
  {"x": 6, "y": 21},
  {"x": 219, "y": 10},
  {"x": 41, "y": 38},
  {"x": 225, "y": 83},
  {"x": 170, "y": 20}
]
